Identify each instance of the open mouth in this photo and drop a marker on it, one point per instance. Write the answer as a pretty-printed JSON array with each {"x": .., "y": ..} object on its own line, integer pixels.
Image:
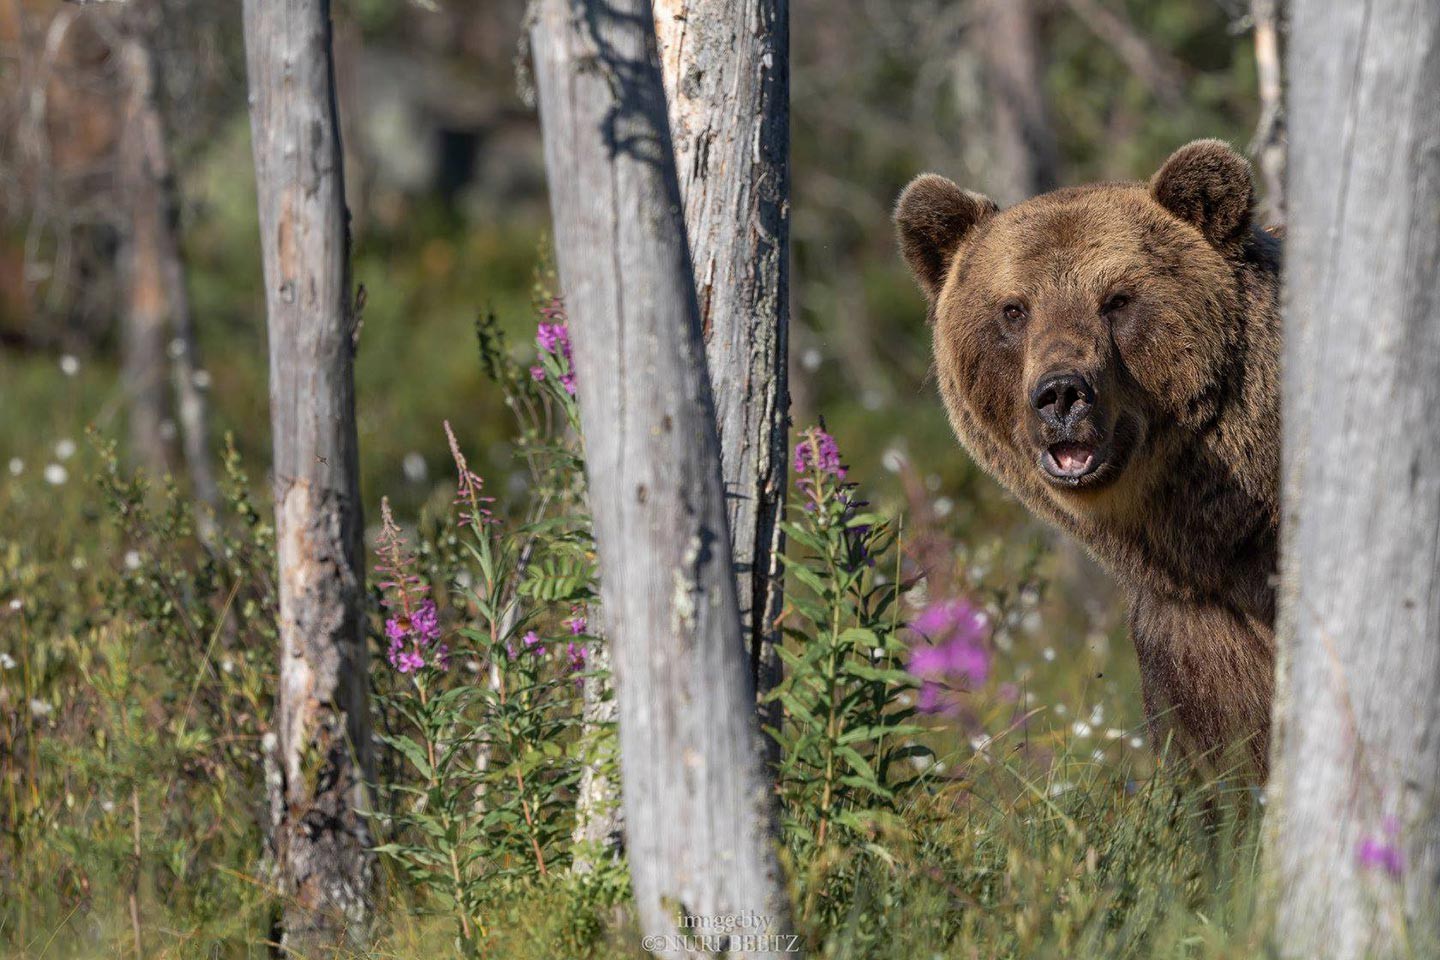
[{"x": 1069, "y": 461}]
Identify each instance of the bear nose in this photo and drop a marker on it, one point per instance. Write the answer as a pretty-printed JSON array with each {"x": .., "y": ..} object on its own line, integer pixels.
[{"x": 1062, "y": 398}]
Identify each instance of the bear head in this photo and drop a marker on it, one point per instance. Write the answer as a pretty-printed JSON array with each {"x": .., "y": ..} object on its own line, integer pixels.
[{"x": 1081, "y": 334}]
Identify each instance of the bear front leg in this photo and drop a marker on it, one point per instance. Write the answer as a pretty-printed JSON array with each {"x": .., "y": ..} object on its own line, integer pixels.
[{"x": 1207, "y": 677}]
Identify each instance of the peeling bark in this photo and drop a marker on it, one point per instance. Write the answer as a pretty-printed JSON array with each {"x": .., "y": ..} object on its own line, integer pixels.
[
  {"x": 700, "y": 824},
  {"x": 324, "y": 751},
  {"x": 726, "y": 70}
]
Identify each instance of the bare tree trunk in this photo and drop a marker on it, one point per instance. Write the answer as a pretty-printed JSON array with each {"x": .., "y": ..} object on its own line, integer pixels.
[
  {"x": 1025, "y": 160},
  {"x": 154, "y": 217},
  {"x": 1268, "y": 147},
  {"x": 727, "y": 79},
  {"x": 143, "y": 339},
  {"x": 699, "y": 815},
  {"x": 1354, "y": 826},
  {"x": 598, "y": 823},
  {"x": 323, "y": 721}
]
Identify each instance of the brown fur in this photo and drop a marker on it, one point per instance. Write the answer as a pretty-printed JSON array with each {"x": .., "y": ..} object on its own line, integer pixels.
[{"x": 1184, "y": 509}]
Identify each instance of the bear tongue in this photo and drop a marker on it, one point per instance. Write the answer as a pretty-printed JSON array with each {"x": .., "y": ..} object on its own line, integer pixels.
[{"x": 1071, "y": 457}]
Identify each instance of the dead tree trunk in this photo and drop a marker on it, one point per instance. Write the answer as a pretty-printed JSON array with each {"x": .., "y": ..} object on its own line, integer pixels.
[
  {"x": 143, "y": 339},
  {"x": 1268, "y": 147},
  {"x": 1355, "y": 814},
  {"x": 1024, "y": 158},
  {"x": 700, "y": 826},
  {"x": 157, "y": 268},
  {"x": 727, "y": 79},
  {"x": 323, "y": 724}
]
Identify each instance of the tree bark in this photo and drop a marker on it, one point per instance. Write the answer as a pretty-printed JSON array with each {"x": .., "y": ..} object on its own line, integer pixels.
[
  {"x": 598, "y": 833},
  {"x": 323, "y": 722},
  {"x": 157, "y": 267},
  {"x": 1024, "y": 158},
  {"x": 143, "y": 340},
  {"x": 726, "y": 69},
  {"x": 1354, "y": 829},
  {"x": 699, "y": 815},
  {"x": 1268, "y": 147}
]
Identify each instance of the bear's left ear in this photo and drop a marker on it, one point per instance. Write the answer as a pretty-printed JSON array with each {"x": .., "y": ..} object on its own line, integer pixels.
[
  {"x": 932, "y": 216},
  {"x": 1208, "y": 184}
]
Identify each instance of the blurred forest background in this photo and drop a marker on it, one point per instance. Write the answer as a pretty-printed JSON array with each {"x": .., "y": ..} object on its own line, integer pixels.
[{"x": 446, "y": 191}]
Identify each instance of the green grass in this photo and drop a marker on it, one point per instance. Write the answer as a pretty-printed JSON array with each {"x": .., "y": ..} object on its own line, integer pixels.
[{"x": 1044, "y": 831}]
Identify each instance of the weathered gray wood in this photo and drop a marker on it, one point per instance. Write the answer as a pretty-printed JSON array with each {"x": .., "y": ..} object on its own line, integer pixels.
[
  {"x": 726, "y": 69},
  {"x": 1357, "y": 739},
  {"x": 1268, "y": 147},
  {"x": 157, "y": 268},
  {"x": 322, "y": 722},
  {"x": 599, "y": 827},
  {"x": 699, "y": 821}
]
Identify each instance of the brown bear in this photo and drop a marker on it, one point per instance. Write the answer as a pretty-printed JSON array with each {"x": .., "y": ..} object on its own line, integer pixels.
[{"x": 1110, "y": 353}]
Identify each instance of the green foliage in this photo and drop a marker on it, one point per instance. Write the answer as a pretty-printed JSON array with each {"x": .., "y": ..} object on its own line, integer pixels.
[
  {"x": 483, "y": 806},
  {"x": 133, "y": 725},
  {"x": 845, "y": 725}
]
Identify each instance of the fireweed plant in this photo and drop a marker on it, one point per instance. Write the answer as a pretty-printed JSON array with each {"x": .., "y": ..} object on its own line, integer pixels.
[
  {"x": 490, "y": 692},
  {"x": 846, "y": 723}
]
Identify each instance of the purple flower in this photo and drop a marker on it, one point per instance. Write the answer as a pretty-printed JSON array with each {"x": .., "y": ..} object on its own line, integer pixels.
[
  {"x": 414, "y": 622},
  {"x": 931, "y": 700},
  {"x": 553, "y": 337},
  {"x": 408, "y": 661},
  {"x": 577, "y": 624},
  {"x": 1383, "y": 852},
  {"x": 425, "y": 623},
  {"x": 577, "y": 654},
  {"x": 818, "y": 451},
  {"x": 533, "y": 644},
  {"x": 956, "y": 651},
  {"x": 946, "y": 619}
]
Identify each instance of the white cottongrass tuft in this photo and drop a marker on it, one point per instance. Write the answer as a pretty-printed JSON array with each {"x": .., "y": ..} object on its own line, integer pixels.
[
  {"x": 56, "y": 475},
  {"x": 414, "y": 467}
]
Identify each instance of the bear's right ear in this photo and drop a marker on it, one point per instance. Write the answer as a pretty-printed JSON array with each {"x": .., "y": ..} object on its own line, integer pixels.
[{"x": 932, "y": 216}]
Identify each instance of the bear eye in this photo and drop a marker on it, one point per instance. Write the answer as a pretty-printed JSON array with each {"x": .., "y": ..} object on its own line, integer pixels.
[
  {"x": 1014, "y": 312},
  {"x": 1117, "y": 302}
]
